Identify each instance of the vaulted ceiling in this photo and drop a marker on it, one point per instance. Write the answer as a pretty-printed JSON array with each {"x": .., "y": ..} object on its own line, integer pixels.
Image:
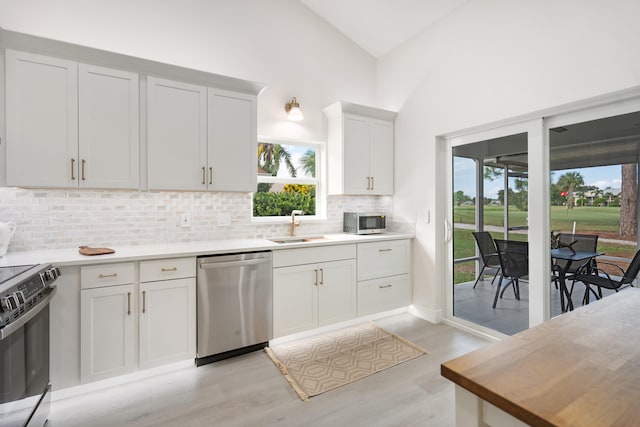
[{"x": 378, "y": 26}]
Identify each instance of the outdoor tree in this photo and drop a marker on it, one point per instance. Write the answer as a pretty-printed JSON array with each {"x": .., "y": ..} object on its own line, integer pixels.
[
  {"x": 568, "y": 182},
  {"x": 629, "y": 200}
]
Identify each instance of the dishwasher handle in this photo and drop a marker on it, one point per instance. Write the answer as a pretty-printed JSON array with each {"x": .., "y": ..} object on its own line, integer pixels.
[{"x": 241, "y": 263}]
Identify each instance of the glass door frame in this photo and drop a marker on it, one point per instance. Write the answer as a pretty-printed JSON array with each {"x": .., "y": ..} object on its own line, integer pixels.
[
  {"x": 538, "y": 217},
  {"x": 537, "y": 125}
]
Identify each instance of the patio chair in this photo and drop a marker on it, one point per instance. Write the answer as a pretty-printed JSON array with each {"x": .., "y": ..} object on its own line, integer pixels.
[
  {"x": 514, "y": 264},
  {"x": 578, "y": 242},
  {"x": 601, "y": 279},
  {"x": 488, "y": 253}
]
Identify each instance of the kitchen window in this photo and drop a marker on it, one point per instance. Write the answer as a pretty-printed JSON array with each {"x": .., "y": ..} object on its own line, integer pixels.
[{"x": 288, "y": 179}]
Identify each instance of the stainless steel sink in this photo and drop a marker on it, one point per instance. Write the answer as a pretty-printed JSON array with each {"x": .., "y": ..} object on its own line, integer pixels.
[{"x": 305, "y": 239}]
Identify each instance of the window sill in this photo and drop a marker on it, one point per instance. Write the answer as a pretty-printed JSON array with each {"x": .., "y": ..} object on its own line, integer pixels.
[{"x": 286, "y": 219}]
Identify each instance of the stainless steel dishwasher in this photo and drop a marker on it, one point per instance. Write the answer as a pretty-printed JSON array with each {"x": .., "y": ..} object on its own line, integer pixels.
[{"x": 234, "y": 305}]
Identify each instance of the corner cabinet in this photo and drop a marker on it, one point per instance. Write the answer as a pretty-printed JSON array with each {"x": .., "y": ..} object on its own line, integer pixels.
[
  {"x": 359, "y": 149},
  {"x": 200, "y": 138},
  {"x": 313, "y": 287},
  {"x": 70, "y": 124}
]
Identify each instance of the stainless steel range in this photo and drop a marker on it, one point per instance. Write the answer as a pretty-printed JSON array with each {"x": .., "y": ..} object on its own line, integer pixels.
[{"x": 25, "y": 292}]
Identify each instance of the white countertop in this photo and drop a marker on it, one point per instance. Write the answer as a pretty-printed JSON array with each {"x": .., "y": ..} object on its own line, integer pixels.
[{"x": 67, "y": 257}]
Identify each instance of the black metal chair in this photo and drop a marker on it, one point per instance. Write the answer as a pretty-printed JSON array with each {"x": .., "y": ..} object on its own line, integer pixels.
[
  {"x": 514, "y": 264},
  {"x": 601, "y": 279},
  {"x": 577, "y": 242},
  {"x": 488, "y": 253}
]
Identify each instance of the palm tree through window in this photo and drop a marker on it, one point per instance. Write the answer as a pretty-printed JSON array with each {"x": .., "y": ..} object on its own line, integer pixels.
[{"x": 287, "y": 179}]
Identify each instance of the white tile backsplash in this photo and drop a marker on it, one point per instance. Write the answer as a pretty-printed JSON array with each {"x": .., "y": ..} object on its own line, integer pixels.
[{"x": 56, "y": 219}]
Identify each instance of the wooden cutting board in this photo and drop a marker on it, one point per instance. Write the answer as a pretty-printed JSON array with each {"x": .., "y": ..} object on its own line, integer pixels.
[{"x": 86, "y": 250}]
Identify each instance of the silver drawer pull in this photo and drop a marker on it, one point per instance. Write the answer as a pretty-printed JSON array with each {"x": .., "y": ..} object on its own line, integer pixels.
[
  {"x": 385, "y": 250},
  {"x": 169, "y": 269},
  {"x": 385, "y": 286},
  {"x": 104, "y": 276}
]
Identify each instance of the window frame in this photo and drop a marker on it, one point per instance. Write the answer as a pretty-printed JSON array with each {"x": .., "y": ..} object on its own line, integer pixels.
[{"x": 319, "y": 181}]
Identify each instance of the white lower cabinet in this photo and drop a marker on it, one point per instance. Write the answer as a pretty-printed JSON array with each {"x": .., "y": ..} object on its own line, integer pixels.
[
  {"x": 377, "y": 295},
  {"x": 311, "y": 295},
  {"x": 126, "y": 325},
  {"x": 383, "y": 276},
  {"x": 167, "y": 321},
  {"x": 107, "y": 332}
]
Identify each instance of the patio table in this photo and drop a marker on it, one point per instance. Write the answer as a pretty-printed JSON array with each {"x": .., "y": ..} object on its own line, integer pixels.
[{"x": 570, "y": 257}]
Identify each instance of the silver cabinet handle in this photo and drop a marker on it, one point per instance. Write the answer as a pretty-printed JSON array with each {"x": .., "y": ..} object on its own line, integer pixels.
[
  {"x": 203, "y": 175},
  {"x": 163, "y": 269},
  {"x": 321, "y": 277},
  {"x": 128, "y": 303},
  {"x": 372, "y": 183},
  {"x": 210, "y": 175},
  {"x": 368, "y": 183},
  {"x": 144, "y": 302},
  {"x": 384, "y": 286},
  {"x": 83, "y": 163},
  {"x": 104, "y": 276},
  {"x": 385, "y": 250},
  {"x": 315, "y": 280},
  {"x": 73, "y": 169}
]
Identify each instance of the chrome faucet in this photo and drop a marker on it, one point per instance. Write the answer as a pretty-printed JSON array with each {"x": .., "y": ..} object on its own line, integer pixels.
[{"x": 295, "y": 224}]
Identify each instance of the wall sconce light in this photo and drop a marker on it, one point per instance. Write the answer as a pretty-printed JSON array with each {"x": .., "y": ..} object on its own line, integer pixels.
[{"x": 293, "y": 109}]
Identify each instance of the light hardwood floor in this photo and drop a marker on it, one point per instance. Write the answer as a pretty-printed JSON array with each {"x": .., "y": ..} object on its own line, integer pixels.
[{"x": 250, "y": 391}]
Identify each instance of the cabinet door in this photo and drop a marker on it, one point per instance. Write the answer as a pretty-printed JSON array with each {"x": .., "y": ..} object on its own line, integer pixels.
[
  {"x": 177, "y": 135},
  {"x": 41, "y": 120},
  {"x": 295, "y": 299},
  {"x": 109, "y": 144},
  {"x": 107, "y": 339},
  {"x": 383, "y": 259},
  {"x": 356, "y": 155},
  {"x": 336, "y": 291},
  {"x": 387, "y": 293},
  {"x": 381, "y": 157},
  {"x": 167, "y": 321},
  {"x": 232, "y": 136}
]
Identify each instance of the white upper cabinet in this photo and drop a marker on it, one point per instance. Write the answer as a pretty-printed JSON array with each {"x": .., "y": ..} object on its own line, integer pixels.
[
  {"x": 176, "y": 135},
  {"x": 41, "y": 120},
  {"x": 360, "y": 149},
  {"x": 109, "y": 149},
  {"x": 70, "y": 124},
  {"x": 232, "y": 140},
  {"x": 200, "y": 138}
]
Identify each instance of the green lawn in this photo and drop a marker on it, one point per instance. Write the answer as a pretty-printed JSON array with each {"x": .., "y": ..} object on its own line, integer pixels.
[
  {"x": 604, "y": 221},
  {"x": 588, "y": 218}
]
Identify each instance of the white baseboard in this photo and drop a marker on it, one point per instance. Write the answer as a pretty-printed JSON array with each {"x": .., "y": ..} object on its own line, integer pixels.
[
  {"x": 428, "y": 314},
  {"x": 121, "y": 379}
]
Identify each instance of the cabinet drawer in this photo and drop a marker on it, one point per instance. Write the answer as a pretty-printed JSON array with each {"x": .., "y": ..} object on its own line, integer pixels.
[
  {"x": 285, "y": 257},
  {"x": 377, "y": 295},
  {"x": 97, "y": 276},
  {"x": 382, "y": 259},
  {"x": 163, "y": 269}
]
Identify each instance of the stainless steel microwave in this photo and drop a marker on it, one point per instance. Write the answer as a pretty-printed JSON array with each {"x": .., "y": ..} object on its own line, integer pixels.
[{"x": 364, "y": 223}]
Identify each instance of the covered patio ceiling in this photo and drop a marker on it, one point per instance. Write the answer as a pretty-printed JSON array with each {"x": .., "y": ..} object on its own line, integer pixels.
[{"x": 608, "y": 141}]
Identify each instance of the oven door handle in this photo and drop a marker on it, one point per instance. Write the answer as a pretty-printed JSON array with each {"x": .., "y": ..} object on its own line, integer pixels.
[{"x": 13, "y": 327}]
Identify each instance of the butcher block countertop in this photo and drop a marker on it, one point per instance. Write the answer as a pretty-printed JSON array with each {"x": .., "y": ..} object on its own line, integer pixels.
[{"x": 579, "y": 369}]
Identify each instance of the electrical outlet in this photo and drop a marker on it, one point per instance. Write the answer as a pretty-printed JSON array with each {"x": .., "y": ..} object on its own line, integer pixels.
[{"x": 185, "y": 220}]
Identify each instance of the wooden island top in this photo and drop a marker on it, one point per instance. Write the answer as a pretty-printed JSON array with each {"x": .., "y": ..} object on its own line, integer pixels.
[{"x": 579, "y": 369}]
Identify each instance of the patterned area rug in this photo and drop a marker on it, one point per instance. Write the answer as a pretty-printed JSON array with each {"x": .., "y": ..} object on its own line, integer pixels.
[{"x": 324, "y": 362}]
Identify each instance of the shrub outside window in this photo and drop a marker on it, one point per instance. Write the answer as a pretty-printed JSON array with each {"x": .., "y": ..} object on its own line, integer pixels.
[{"x": 287, "y": 178}]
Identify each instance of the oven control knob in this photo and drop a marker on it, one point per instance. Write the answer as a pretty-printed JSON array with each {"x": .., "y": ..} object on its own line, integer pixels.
[{"x": 9, "y": 303}]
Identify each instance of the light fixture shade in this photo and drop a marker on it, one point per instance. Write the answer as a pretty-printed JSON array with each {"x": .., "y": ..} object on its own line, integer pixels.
[{"x": 293, "y": 109}]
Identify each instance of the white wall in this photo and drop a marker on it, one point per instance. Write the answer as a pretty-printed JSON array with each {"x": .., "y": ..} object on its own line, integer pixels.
[
  {"x": 487, "y": 61},
  {"x": 277, "y": 42}
]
